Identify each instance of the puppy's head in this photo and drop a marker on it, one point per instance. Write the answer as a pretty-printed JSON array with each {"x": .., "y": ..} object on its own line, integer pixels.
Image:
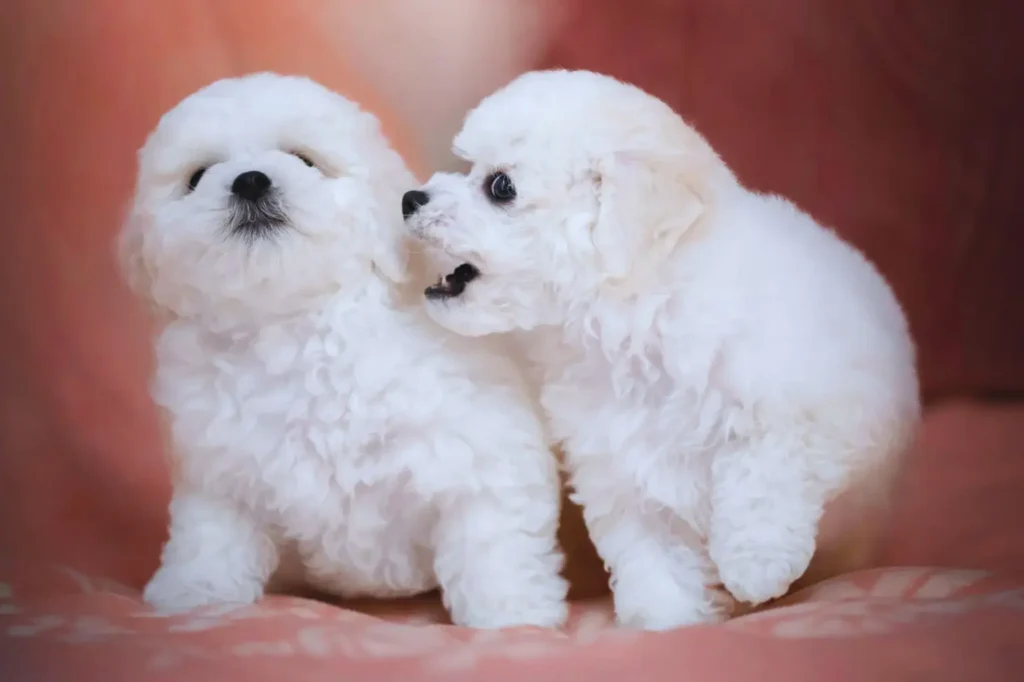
[
  {"x": 259, "y": 196},
  {"x": 579, "y": 184}
]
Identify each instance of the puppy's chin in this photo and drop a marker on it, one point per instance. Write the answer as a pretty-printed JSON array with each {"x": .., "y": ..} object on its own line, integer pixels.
[{"x": 460, "y": 316}]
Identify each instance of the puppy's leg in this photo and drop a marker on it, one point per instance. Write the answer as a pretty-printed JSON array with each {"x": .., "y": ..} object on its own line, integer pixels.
[
  {"x": 661, "y": 576},
  {"x": 498, "y": 562},
  {"x": 766, "y": 505},
  {"x": 215, "y": 555}
]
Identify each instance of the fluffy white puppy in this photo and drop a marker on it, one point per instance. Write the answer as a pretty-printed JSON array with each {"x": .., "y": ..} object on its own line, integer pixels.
[
  {"x": 718, "y": 367},
  {"x": 312, "y": 411}
]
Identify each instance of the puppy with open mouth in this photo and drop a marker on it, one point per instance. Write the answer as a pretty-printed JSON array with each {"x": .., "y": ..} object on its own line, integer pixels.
[
  {"x": 317, "y": 415},
  {"x": 733, "y": 385}
]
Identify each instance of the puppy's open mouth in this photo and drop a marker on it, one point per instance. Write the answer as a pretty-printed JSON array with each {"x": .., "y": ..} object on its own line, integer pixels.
[{"x": 452, "y": 285}]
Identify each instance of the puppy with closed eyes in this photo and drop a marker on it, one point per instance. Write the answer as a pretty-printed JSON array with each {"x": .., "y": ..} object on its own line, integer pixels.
[
  {"x": 733, "y": 385},
  {"x": 316, "y": 413}
]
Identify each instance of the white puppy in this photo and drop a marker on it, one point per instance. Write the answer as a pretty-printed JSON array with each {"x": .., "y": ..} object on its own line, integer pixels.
[
  {"x": 718, "y": 367},
  {"x": 311, "y": 409}
]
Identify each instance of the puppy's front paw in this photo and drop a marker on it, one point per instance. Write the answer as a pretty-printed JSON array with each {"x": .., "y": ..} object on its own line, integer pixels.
[
  {"x": 174, "y": 591},
  {"x": 650, "y": 605},
  {"x": 550, "y": 616},
  {"x": 755, "y": 573},
  {"x": 543, "y": 609}
]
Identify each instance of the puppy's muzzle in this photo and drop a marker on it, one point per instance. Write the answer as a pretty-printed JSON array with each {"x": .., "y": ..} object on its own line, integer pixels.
[
  {"x": 256, "y": 209},
  {"x": 453, "y": 284}
]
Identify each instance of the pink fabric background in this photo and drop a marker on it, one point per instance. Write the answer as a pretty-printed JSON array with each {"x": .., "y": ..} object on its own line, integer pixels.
[{"x": 898, "y": 123}]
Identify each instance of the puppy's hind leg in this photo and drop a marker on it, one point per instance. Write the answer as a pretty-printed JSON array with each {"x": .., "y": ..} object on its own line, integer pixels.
[
  {"x": 768, "y": 494},
  {"x": 216, "y": 554},
  {"x": 497, "y": 559}
]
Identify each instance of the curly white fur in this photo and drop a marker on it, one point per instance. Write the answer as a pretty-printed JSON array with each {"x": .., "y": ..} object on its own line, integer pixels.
[
  {"x": 719, "y": 368},
  {"x": 314, "y": 413}
]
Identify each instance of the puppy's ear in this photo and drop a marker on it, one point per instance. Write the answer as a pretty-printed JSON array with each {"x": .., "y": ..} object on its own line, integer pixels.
[{"x": 647, "y": 201}]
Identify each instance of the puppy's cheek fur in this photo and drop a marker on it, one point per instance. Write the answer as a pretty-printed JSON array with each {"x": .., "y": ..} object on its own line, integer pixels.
[
  {"x": 131, "y": 260},
  {"x": 391, "y": 258}
]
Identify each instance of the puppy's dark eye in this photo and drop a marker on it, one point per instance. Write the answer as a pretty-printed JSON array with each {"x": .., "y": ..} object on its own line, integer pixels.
[
  {"x": 195, "y": 178},
  {"x": 304, "y": 159},
  {"x": 499, "y": 188}
]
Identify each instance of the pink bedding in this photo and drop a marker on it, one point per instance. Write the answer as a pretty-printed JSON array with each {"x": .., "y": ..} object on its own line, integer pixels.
[
  {"x": 959, "y": 507},
  {"x": 892, "y": 624}
]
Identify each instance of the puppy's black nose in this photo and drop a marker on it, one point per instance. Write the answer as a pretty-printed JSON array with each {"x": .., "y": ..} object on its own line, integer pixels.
[
  {"x": 251, "y": 185},
  {"x": 412, "y": 200}
]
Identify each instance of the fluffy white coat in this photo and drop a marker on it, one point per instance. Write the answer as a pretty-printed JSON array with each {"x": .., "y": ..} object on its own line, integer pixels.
[
  {"x": 719, "y": 368},
  {"x": 315, "y": 415}
]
